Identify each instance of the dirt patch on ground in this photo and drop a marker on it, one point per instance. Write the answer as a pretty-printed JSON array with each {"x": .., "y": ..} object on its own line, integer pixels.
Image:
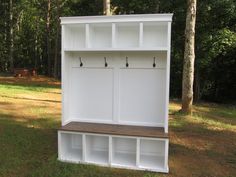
[{"x": 37, "y": 80}]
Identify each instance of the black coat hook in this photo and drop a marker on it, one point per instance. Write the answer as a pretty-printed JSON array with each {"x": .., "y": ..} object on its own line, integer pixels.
[
  {"x": 154, "y": 62},
  {"x": 105, "y": 59},
  {"x": 127, "y": 63},
  {"x": 81, "y": 63}
]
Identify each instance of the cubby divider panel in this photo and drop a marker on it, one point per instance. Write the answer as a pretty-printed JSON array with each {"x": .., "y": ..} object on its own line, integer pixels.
[
  {"x": 97, "y": 149},
  {"x": 71, "y": 147},
  {"x": 152, "y": 154},
  {"x": 124, "y": 151}
]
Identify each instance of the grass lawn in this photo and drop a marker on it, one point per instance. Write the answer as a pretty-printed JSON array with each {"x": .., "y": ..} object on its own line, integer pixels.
[{"x": 203, "y": 145}]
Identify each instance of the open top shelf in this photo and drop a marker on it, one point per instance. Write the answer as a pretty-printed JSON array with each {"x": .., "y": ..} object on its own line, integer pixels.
[
  {"x": 120, "y": 36},
  {"x": 99, "y": 36}
]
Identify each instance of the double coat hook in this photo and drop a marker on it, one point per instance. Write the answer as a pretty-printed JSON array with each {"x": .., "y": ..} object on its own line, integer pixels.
[
  {"x": 127, "y": 63},
  {"x": 154, "y": 62},
  {"x": 105, "y": 59},
  {"x": 81, "y": 63}
]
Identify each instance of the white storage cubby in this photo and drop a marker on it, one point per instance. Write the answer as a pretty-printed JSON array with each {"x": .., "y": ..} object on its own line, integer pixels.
[
  {"x": 152, "y": 154},
  {"x": 75, "y": 37},
  {"x": 124, "y": 151},
  {"x": 127, "y": 35},
  {"x": 100, "y": 35},
  {"x": 115, "y": 151},
  {"x": 115, "y": 76},
  {"x": 70, "y": 146},
  {"x": 155, "y": 35},
  {"x": 97, "y": 149}
]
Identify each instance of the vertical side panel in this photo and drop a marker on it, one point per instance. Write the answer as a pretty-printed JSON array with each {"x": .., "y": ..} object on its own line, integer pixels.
[
  {"x": 87, "y": 36},
  {"x": 59, "y": 145},
  {"x": 113, "y": 35},
  {"x": 116, "y": 87},
  {"x": 110, "y": 150},
  {"x": 166, "y": 153},
  {"x": 168, "y": 77},
  {"x": 140, "y": 34},
  {"x": 84, "y": 147},
  {"x": 64, "y": 76},
  {"x": 138, "y": 152}
]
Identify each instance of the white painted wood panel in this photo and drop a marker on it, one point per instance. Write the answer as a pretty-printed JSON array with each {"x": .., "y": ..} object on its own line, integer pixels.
[
  {"x": 142, "y": 96},
  {"x": 92, "y": 97}
]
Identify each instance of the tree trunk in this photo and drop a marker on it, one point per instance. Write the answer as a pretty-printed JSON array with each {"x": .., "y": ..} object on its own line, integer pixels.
[
  {"x": 48, "y": 38},
  {"x": 6, "y": 32},
  {"x": 36, "y": 50},
  {"x": 55, "y": 71},
  {"x": 11, "y": 36},
  {"x": 107, "y": 7},
  {"x": 196, "y": 86},
  {"x": 189, "y": 57}
]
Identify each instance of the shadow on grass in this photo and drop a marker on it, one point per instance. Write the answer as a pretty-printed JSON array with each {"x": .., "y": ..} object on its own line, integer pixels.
[
  {"x": 228, "y": 116},
  {"x": 31, "y": 99},
  {"x": 31, "y": 87},
  {"x": 212, "y": 152},
  {"x": 23, "y": 148}
]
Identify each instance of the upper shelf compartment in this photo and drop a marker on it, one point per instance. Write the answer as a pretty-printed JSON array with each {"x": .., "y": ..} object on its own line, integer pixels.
[
  {"x": 119, "y": 36},
  {"x": 126, "y": 35},
  {"x": 100, "y": 35},
  {"x": 155, "y": 35},
  {"x": 74, "y": 37}
]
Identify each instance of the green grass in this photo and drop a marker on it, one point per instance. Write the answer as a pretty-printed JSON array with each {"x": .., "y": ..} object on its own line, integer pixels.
[{"x": 201, "y": 145}]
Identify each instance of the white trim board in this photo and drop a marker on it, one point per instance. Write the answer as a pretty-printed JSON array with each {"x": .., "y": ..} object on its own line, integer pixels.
[{"x": 117, "y": 18}]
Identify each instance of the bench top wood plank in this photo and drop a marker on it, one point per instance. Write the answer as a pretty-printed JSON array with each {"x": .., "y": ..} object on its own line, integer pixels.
[{"x": 115, "y": 129}]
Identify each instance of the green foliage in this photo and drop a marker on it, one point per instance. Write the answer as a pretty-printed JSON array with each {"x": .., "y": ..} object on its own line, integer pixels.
[
  {"x": 215, "y": 38},
  {"x": 223, "y": 41}
]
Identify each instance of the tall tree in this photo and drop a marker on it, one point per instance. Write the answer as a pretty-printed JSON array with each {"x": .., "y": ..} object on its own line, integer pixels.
[
  {"x": 189, "y": 57},
  {"x": 11, "y": 35},
  {"x": 48, "y": 37},
  {"x": 107, "y": 7},
  {"x": 55, "y": 70}
]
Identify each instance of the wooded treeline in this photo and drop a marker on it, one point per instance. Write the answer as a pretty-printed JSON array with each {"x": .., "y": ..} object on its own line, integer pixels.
[{"x": 30, "y": 38}]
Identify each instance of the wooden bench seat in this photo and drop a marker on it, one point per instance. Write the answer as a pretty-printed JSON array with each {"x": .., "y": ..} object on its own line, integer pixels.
[{"x": 115, "y": 129}]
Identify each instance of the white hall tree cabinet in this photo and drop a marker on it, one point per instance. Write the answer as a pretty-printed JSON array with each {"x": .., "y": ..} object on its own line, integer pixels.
[{"x": 115, "y": 91}]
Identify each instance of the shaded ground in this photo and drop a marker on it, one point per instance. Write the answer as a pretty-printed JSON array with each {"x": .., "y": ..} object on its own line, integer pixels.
[{"x": 203, "y": 145}]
